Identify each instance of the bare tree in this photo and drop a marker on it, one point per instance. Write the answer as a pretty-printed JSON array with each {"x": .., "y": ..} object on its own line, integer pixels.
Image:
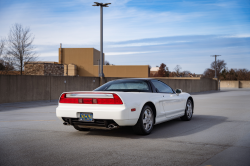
[
  {"x": 235, "y": 74},
  {"x": 163, "y": 70},
  {"x": 20, "y": 49},
  {"x": 220, "y": 65},
  {"x": 177, "y": 69},
  {"x": 209, "y": 73},
  {"x": 185, "y": 73},
  {"x": 2, "y": 49},
  {"x": 2, "y": 46}
]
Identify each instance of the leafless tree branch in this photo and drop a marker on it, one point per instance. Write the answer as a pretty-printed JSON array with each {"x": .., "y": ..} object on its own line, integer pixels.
[
  {"x": 20, "y": 49},
  {"x": 177, "y": 69},
  {"x": 2, "y": 46}
]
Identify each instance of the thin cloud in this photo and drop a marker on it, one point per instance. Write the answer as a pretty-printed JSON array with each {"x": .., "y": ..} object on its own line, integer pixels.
[
  {"x": 146, "y": 44},
  {"x": 238, "y": 36},
  {"x": 127, "y": 53}
]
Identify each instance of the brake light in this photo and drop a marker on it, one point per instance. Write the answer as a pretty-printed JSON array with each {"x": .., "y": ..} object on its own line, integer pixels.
[{"x": 78, "y": 100}]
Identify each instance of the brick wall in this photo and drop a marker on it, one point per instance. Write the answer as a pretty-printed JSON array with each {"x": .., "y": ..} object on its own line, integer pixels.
[
  {"x": 53, "y": 69},
  {"x": 44, "y": 69}
]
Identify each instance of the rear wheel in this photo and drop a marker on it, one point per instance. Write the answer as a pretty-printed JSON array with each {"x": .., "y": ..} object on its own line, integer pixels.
[
  {"x": 145, "y": 123},
  {"x": 81, "y": 129},
  {"x": 188, "y": 111}
]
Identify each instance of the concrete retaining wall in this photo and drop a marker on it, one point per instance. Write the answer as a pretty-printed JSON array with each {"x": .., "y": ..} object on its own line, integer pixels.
[
  {"x": 16, "y": 88},
  {"x": 186, "y": 85},
  {"x": 229, "y": 84},
  {"x": 190, "y": 85},
  {"x": 235, "y": 84},
  {"x": 244, "y": 84}
]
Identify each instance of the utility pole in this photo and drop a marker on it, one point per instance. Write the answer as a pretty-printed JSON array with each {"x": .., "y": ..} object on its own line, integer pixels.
[
  {"x": 215, "y": 64},
  {"x": 101, "y": 75}
]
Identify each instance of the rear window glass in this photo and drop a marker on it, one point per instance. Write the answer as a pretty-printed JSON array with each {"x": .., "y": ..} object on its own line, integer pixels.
[{"x": 126, "y": 86}]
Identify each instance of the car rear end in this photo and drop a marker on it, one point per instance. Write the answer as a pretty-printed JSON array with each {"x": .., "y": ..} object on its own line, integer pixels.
[{"x": 105, "y": 110}]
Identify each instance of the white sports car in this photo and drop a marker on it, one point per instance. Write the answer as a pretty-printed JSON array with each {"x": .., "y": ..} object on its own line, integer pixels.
[{"x": 141, "y": 103}]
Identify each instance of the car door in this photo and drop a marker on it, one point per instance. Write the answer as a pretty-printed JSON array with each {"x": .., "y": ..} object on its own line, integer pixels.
[
  {"x": 171, "y": 101},
  {"x": 178, "y": 101}
]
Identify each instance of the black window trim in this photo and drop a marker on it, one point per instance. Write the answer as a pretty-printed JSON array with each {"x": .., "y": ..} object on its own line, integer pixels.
[{"x": 150, "y": 86}]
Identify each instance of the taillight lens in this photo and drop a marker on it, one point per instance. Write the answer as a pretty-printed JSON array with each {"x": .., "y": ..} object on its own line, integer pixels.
[
  {"x": 63, "y": 99},
  {"x": 115, "y": 100}
]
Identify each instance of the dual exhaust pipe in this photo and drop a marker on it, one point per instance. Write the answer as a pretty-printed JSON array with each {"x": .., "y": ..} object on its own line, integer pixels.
[
  {"x": 66, "y": 123},
  {"x": 110, "y": 126}
]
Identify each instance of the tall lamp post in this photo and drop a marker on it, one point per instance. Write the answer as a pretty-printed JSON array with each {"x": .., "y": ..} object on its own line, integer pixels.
[
  {"x": 101, "y": 36},
  {"x": 215, "y": 64}
]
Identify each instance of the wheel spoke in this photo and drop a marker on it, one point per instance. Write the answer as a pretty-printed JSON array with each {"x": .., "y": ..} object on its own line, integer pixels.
[
  {"x": 149, "y": 115},
  {"x": 144, "y": 121},
  {"x": 189, "y": 109},
  {"x": 146, "y": 127}
]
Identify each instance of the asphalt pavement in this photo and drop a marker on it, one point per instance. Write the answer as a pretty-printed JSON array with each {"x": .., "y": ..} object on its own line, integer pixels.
[{"x": 218, "y": 135}]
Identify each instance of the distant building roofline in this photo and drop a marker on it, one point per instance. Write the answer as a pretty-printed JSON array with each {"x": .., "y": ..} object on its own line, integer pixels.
[
  {"x": 41, "y": 62},
  {"x": 154, "y": 69}
]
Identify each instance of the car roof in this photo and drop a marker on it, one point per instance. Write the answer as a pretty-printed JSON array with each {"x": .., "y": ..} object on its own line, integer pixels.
[{"x": 124, "y": 79}]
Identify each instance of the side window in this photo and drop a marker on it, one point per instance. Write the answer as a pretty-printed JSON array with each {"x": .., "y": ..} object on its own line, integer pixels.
[{"x": 161, "y": 87}]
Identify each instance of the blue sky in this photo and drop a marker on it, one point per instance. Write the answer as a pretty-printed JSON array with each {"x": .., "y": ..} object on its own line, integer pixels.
[{"x": 139, "y": 32}]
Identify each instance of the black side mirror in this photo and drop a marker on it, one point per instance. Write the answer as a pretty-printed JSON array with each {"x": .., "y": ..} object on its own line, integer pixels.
[{"x": 178, "y": 91}]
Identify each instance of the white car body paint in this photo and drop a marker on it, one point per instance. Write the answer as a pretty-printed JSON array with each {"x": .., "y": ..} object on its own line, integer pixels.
[{"x": 168, "y": 106}]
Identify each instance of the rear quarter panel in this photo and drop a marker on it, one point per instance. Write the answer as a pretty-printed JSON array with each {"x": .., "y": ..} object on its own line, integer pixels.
[{"x": 137, "y": 100}]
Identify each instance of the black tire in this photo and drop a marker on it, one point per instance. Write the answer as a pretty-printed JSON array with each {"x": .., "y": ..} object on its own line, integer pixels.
[
  {"x": 145, "y": 123},
  {"x": 188, "y": 111},
  {"x": 81, "y": 129}
]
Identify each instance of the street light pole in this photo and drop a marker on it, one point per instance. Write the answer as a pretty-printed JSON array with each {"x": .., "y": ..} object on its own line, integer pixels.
[
  {"x": 101, "y": 41},
  {"x": 101, "y": 36},
  {"x": 215, "y": 64}
]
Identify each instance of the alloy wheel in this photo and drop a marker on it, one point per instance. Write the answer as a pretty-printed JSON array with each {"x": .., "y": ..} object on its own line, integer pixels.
[{"x": 147, "y": 119}]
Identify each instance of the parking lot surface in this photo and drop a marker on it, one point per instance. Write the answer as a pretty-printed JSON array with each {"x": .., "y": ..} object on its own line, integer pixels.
[{"x": 218, "y": 134}]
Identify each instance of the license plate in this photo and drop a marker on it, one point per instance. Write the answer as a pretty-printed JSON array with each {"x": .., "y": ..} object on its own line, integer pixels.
[{"x": 87, "y": 117}]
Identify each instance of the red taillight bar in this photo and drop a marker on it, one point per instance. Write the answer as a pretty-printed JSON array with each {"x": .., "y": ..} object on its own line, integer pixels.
[{"x": 78, "y": 100}]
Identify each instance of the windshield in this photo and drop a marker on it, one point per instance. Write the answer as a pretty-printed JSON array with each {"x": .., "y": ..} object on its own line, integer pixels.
[{"x": 125, "y": 86}]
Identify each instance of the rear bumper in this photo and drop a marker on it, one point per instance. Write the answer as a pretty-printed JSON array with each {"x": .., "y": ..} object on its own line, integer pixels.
[{"x": 119, "y": 114}]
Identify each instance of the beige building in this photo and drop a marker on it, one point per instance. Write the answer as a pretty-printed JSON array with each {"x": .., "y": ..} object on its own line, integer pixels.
[
  {"x": 87, "y": 61},
  {"x": 154, "y": 71}
]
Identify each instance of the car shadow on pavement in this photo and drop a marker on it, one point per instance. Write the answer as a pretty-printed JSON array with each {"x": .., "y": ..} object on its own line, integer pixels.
[
  {"x": 220, "y": 91},
  {"x": 170, "y": 129},
  {"x": 4, "y": 107},
  {"x": 208, "y": 92}
]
